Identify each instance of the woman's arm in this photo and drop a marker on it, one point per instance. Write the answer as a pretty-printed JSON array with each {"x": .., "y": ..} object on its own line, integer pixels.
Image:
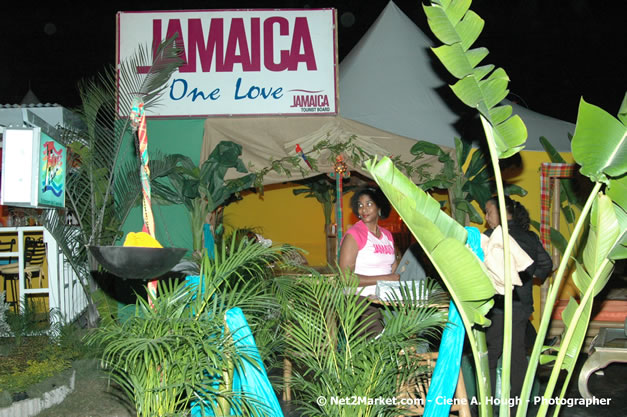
[
  {"x": 348, "y": 257},
  {"x": 543, "y": 262}
]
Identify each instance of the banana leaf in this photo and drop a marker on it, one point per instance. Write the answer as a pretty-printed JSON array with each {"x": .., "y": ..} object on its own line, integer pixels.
[
  {"x": 590, "y": 277},
  {"x": 442, "y": 238},
  {"x": 599, "y": 158}
]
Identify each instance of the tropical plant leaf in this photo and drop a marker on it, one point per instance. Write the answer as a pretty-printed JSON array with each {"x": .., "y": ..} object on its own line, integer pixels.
[
  {"x": 477, "y": 164},
  {"x": 513, "y": 189},
  {"x": 150, "y": 85},
  {"x": 622, "y": 110},
  {"x": 462, "y": 150},
  {"x": 617, "y": 191},
  {"x": 466, "y": 207},
  {"x": 554, "y": 155},
  {"x": 440, "y": 236},
  {"x": 620, "y": 250},
  {"x": 482, "y": 87},
  {"x": 599, "y": 158},
  {"x": 581, "y": 327},
  {"x": 603, "y": 235}
]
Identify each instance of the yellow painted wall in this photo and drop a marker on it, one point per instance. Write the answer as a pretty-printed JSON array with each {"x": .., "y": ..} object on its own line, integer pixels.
[{"x": 284, "y": 218}]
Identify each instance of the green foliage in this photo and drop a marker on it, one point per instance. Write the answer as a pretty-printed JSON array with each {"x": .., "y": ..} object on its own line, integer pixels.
[
  {"x": 176, "y": 351},
  {"x": 329, "y": 150},
  {"x": 598, "y": 146},
  {"x": 479, "y": 87},
  {"x": 28, "y": 321},
  {"x": 322, "y": 190},
  {"x": 34, "y": 372},
  {"x": 4, "y": 308},
  {"x": 202, "y": 189},
  {"x": 93, "y": 153},
  {"x": 474, "y": 184},
  {"x": 603, "y": 161},
  {"x": 332, "y": 355},
  {"x": 440, "y": 236},
  {"x": 41, "y": 356},
  {"x": 599, "y": 158}
]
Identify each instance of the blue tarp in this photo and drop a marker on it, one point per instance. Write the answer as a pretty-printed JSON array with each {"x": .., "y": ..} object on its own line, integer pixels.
[
  {"x": 441, "y": 391},
  {"x": 251, "y": 379}
]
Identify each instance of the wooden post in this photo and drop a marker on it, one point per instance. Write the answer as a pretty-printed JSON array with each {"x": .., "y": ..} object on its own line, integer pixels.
[{"x": 556, "y": 205}]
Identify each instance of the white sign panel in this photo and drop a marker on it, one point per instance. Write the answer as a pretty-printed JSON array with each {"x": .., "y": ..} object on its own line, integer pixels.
[
  {"x": 241, "y": 62},
  {"x": 19, "y": 166}
]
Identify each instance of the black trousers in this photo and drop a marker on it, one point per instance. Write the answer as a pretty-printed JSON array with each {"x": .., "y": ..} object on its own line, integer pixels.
[
  {"x": 374, "y": 319},
  {"x": 494, "y": 338}
]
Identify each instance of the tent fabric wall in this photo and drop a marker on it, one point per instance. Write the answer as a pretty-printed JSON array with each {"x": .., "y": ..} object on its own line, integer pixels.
[
  {"x": 391, "y": 80},
  {"x": 269, "y": 138}
]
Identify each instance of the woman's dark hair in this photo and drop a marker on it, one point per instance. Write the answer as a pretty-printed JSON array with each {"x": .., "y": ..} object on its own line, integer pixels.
[
  {"x": 520, "y": 215},
  {"x": 377, "y": 196}
]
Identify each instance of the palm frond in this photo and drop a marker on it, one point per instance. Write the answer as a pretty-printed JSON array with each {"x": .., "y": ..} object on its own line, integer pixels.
[{"x": 150, "y": 85}]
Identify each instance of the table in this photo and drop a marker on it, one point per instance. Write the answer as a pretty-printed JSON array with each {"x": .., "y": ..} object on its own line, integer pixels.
[{"x": 609, "y": 346}]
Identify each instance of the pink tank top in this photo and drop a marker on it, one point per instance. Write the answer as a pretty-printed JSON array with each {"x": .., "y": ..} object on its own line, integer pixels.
[{"x": 375, "y": 256}]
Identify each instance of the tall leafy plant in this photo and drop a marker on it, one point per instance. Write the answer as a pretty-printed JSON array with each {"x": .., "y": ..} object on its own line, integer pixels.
[
  {"x": 202, "y": 188},
  {"x": 175, "y": 350},
  {"x": 483, "y": 87},
  {"x": 332, "y": 354},
  {"x": 94, "y": 152},
  {"x": 605, "y": 163},
  {"x": 474, "y": 184},
  {"x": 443, "y": 239}
]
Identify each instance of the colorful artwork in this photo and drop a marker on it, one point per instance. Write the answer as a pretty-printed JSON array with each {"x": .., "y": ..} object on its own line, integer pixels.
[{"x": 52, "y": 170}]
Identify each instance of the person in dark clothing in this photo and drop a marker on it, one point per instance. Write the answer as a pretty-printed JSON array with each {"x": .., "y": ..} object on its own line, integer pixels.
[{"x": 522, "y": 297}]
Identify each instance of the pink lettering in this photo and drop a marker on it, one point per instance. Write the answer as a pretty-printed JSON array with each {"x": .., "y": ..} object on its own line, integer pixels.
[
  {"x": 197, "y": 47},
  {"x": 268, "y": 50},
  {"x": 242, "y": 48},
  {"x": 301, "y": 37},
  {"x": 237, "y": 39},
  {"x": 385, "y": 249}
]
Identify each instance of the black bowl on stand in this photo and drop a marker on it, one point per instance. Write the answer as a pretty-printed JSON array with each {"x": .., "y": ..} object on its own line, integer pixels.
[{"x": 133, "y": 262}]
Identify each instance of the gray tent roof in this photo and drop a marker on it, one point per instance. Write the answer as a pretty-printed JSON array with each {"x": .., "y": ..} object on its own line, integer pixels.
[{"x": 389, "y": 81}]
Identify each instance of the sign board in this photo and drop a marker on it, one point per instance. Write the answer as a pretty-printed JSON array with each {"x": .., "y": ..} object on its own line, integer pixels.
[
  {"x": 33, "y": 169},
  {"x": 241, "y": 62},
  {"x": 52, "y": 172}
]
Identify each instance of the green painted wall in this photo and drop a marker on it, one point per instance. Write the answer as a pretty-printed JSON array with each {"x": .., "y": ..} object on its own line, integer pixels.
[{"x": 168, "y": 136}]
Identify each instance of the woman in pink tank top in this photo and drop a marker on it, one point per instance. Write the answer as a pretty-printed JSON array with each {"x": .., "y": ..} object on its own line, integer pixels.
[{"x": 368, "y": 250}]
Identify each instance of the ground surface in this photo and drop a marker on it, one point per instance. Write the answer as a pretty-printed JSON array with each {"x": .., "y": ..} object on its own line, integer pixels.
[{"x": 92, "y": 396}]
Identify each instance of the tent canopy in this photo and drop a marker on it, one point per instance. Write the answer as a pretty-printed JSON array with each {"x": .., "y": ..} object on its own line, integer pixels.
[
  {"x": 390, "y": 80},
  {"x": 264, "y": 139}
]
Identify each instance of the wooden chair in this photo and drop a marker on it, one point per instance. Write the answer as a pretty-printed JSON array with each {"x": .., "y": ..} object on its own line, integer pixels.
[
  {"x": 8, "y": 263},
  {"x": 34, "y": 256},
  {"x": 417, "y": 389}
]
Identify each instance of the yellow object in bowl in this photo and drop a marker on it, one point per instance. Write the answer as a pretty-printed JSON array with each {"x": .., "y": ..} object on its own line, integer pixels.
[{"x": 142, "y": 240}]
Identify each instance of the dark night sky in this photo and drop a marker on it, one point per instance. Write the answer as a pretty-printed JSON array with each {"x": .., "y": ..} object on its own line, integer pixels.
[{"x": 554, "y": 51}]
